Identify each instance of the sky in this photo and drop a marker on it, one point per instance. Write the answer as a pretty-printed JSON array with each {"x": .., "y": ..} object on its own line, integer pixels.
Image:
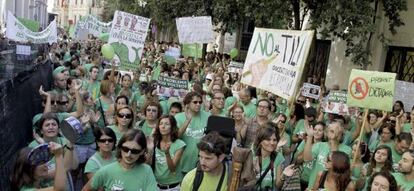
[{"x": 50, "y": 5}]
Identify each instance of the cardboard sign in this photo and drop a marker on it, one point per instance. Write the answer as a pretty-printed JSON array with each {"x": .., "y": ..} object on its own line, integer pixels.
[
  {"x": 335, "y": 103},
  {"x": 371, "y": 89},
  {"x": 235, "y": 67},
  {"x": 172, "y": 87},
  {"x": 311, "y": 91},
  {"x": 127, "y": 37},
  {"x": 195, "y": 29},
  {"x": 275, "y": 60},
  {"x": 404, "y": 91}
]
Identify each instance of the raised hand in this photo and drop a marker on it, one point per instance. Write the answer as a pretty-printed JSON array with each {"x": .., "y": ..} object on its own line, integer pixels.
[{"x": 42, "y": 92}]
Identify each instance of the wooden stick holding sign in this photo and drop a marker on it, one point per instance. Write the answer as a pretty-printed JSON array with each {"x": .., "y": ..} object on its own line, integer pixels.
[{"x": 361, "y": 133}]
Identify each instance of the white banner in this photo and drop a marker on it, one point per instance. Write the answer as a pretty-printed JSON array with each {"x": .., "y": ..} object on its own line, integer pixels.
[
  {"x": 195, "y": 29},
  {"x": 404, "y": 91},
  {"x": 93, "y": 25},
  {"x": 18, "y": 32},
  {"x": 127, "y": 37},
  {"x": 229, "y": 42},
  {"x": 275, "y": 60}
]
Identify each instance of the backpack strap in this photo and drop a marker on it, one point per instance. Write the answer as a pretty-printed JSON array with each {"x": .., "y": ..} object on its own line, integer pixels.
[
  {"x": 199, "y": 178},
  {"x": 141, "y": 124}
]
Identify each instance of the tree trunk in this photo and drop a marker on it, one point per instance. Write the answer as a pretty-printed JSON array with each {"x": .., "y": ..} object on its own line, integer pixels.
[{"x": 296, "y": 14}]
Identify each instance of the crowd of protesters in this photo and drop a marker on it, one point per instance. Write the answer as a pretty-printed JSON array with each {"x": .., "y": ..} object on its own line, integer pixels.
[{"x": 134, "y": 139}]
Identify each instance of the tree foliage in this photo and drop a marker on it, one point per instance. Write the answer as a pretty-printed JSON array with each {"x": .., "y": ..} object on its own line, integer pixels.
[{"x": 353, "y": 21}]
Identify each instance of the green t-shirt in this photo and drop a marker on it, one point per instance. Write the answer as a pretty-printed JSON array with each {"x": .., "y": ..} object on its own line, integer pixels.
[
  {"x": 163, "y": 175},
  {"x": 300, "y": 127},
  {"x": 406, "y": 185},
  {"x": 306, "y": 166},
  {"x": 320, "y": 151},
  {"x": 249, "y": 110},
  {"x": 115, "y": 177},
  {"x": 96, "y": 162},
  {"x": 209, "y": 182},
  {"x": 396, "y": 157},
  {"x": 145, "y": 128},
  {"x": 267, "y": 180},
  {"x": 191, "y": 137},
  {"x": 25, "y": 188},
  {"x": 92, "y": 88},
  {"x": 117, "y": 132},
  {"x": 406, "y": 128},
  {"x": 229, "y": 101}
]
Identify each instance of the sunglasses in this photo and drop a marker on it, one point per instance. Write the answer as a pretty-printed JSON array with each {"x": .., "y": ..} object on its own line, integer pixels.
[
  {"x": 197, "y": 102},
  {"x": 133, "y": 151},
  {"x": 105, "y": 140},
  {"x": 62, "y": 102},
  {"x": 301, "y": 101},
  {"x": 153, "y": 110},
  {"x": 123, "y": 115}
]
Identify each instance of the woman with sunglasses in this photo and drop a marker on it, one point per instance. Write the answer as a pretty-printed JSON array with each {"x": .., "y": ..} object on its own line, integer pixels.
[
  {"x": 337, "y": 176},
  {"x": 124, "y": 120},
  {"x": 152, "y": 111},
  {"x": 167, "y": 153},
  {"x": 130, "y": 172},
  {"x": 106, "y": 142},
  {"x": 27, "y": 176}
]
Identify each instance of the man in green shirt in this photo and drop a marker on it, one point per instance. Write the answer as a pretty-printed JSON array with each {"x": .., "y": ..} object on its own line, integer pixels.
[
  {"x": 405, "y": 176},
  {"x": 401, "y": 145},
  {"x": 60, "y": 80},
  {"x": 217, "y": 103},
  {"x": 211, "y": 173},
  {"x": 93, "y": 85},
  {"x": 192, "y": 123},
  {"x": 246, "y": 102}
]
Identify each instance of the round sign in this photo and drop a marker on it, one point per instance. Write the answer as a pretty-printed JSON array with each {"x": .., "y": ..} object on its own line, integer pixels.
[{"x": 359, "y": 88}]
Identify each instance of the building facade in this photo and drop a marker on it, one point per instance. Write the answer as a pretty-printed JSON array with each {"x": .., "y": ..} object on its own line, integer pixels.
[
  {"x": 70, "y": 11},
  {"x": 29, "y": 9}
]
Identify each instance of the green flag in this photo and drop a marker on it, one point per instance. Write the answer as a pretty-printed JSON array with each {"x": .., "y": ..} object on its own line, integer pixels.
[{"x": 192, "y": 50}]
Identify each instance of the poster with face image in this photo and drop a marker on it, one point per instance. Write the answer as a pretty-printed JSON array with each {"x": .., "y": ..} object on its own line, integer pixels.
[
  {"x": 127, "y": 37},
  {"x": 276, "y": 59}
]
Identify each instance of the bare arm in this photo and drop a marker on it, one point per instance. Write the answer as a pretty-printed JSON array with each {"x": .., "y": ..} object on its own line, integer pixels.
[
  {"x": 173, "y": 162},
  {"x": 79, "y": 103}
]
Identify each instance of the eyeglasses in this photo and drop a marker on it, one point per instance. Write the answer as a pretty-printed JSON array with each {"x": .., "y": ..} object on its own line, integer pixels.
[
  {"x": 263, "y": 106},
  {"x": 301, "y": 101},
  {"x": 62, "y": 102},
  {"x": 219, "y": 98},
  {"x": 124, "y": 115},
  {"x": 133, "y": 151},
  {"x": 149, "y": 110},
  {"x": 105, "y": 140},
  {"x": 197, "y": 102},
  {"x": 282, "y": 121}
]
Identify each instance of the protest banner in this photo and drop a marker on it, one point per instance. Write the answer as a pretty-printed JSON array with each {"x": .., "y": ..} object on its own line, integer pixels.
[
  {"x": 195, "y": 29},
  {"x": 30, "y": 24},
  {"x": 172, "y": 87},
  {"x": 235, "y": 67},
  {"x": 94, "y": 26},
  {"x": 192, "y": 50},
  {"x": 275, "y": 60},
  {"x": 18, "y": 32},
  {"x": 120, "y": 74},
  {"x": 335, "y": 103},
  {"x": 311, "y": 91},
  {"x": 371, "y": 89},
  {"x": 404, "y": 91},
  {"x": 229, "y": 42},
  {"x": 127, "y": 37}
]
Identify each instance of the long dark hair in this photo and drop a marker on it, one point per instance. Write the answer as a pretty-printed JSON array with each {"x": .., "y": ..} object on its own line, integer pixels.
[
  {"x": 23, "y": 171},
  {"x": 391, "y": 180},
  {"x": 105, "y": 131},
  {"x": 174, "y": 130},
  {"x": 342, "y": 169},
  {"x": 388, "y": 163}
]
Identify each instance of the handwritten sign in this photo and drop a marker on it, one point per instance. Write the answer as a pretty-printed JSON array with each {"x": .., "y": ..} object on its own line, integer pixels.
[
  {"x": 311, "y": 91},
  {"x": 404, "y": 91},
  {"x": 275, "y": 60},
  {"x": 195, "y": 29},
  {"x": 127, "y": 37},
  {"x": 172, "y": 87},
  {"x": 371, "y": 89}
]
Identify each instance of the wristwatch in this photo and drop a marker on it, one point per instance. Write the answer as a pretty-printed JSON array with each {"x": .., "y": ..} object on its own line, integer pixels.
[{"x": 69, "y": 148}]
